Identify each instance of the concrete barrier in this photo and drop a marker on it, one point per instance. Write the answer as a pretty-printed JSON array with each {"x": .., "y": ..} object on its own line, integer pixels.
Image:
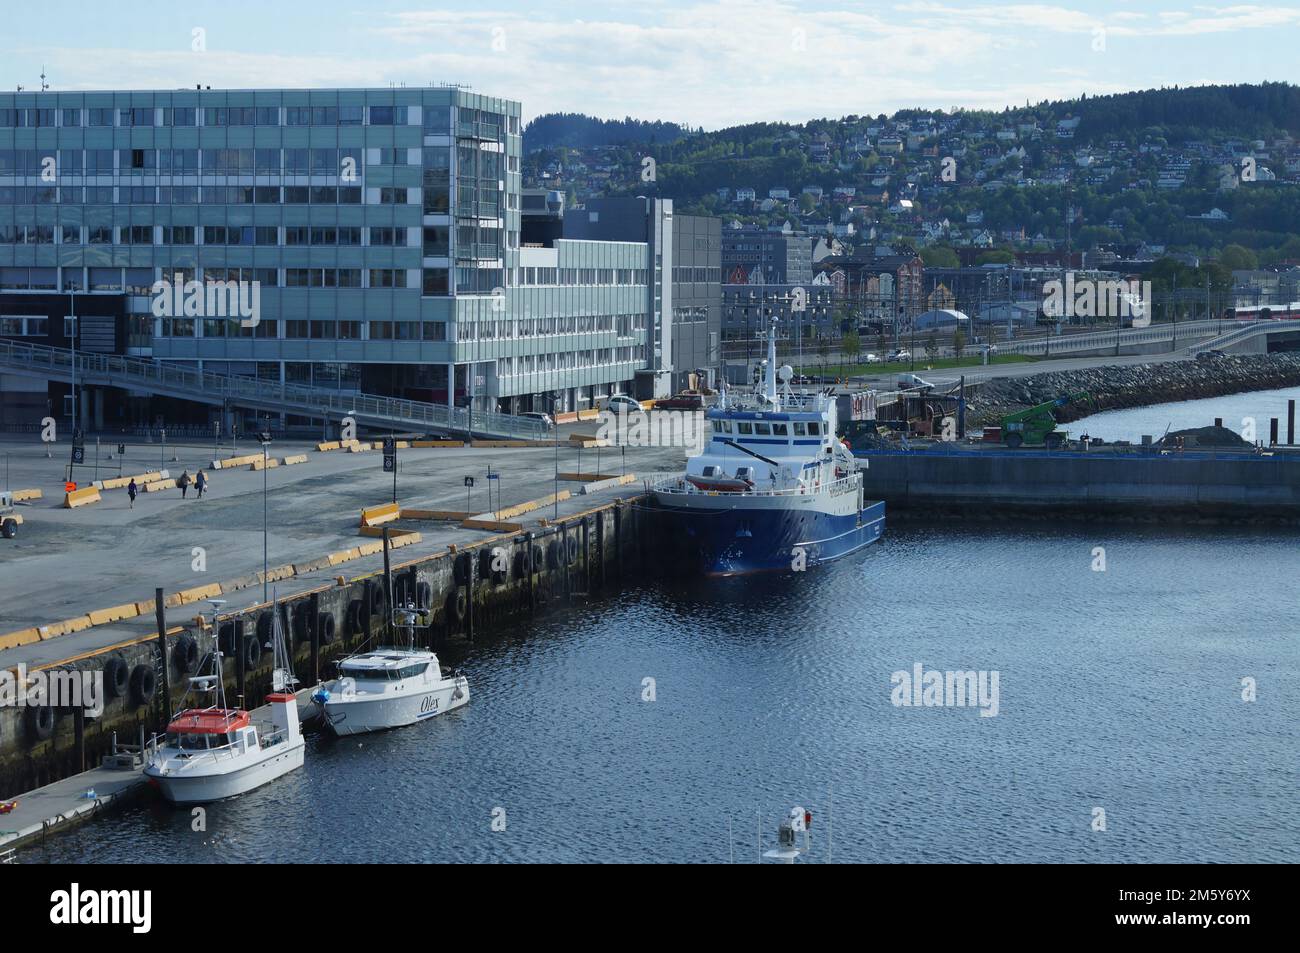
[
  {"x": 264, "y": 464},
  {"x": 230, "y": 462},
  {"x": 425, "y": 444},
  {"x": 343, "y": 556},
  {"x": 158, "y": 486},
  {"x": 114, "y": 614},
  {"x": 378, "y": 515},
  {"x": 11, "y": 640},
  {"x": 503, "y": 443},
  {"x": 21, "y": 496},
  {"x": 297, "y": 458},
  {"x": 451, "y": 515},
  {"x": 327, "y": 446},
  {"x": 82, "y": 497},
  {"x": 607, "y": 483},
  {"x": 356, "y": 446},
  {"x": 121, "y": 483},
  {"x": 521, "y": 508},
  {"x": 499, "y": 526}
]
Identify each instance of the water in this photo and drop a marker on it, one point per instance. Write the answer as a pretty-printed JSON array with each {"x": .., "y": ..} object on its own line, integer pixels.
[
  {"x": 1119, "y": 690},
  {"x": 1235, "y": 409}
]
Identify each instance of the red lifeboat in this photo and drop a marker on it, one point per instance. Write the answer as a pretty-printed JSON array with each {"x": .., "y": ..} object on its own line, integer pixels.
[{"x": 720, "y": 484}]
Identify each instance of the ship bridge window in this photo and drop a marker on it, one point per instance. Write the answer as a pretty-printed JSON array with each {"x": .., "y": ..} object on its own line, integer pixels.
[
  {"x": 814, "y": 428},
  {"x": 411, "y": 671},
  {"x": 744, "y": 426},
  {"x": 722, "y": 426},
  {"x": 800, "y": 429},
  {"x": 764, "y": 430},
  {"x": 780, "y": 430}
]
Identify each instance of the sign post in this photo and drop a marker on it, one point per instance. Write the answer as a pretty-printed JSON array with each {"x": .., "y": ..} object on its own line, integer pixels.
[
  {"x": 390, "y": 461},
  {"x": 469, "y": 485}
]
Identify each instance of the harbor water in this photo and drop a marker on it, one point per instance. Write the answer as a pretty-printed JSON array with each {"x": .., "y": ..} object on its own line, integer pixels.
[
  {"x": 1238, "y": 412},
  {"x": 680, "y": 722}
]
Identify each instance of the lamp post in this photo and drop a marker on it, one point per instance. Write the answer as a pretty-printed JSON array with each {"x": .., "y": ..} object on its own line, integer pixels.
[
  {"x": 555, "y": 413},
  {"x": 264, "y": 438}
]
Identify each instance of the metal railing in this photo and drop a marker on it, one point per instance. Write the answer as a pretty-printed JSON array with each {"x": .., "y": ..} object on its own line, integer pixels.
[
  {"x": 1156, "y": 333},
  {"x": 300, "y": 399},
  {"x": 1240, "y": 334}
]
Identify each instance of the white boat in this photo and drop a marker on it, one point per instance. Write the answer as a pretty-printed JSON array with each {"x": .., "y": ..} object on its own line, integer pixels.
[
  {"x": 215, "y": 752},
  {"x": 390, "y": 687},
  {"x": 774, "y": 489}
]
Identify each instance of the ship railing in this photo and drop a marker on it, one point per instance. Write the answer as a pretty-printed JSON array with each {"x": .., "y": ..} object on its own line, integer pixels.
[{"x": 681, "y": 486}]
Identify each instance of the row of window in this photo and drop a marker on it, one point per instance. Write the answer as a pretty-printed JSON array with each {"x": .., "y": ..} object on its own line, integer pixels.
[
  {"x": 140, "y": 281},
  {"x": 564, "y": 360},
  {"x": 435, "y": 236},
  {"x": 684, "y": 274},
  {"x": 545, "y": 277},
  {"x": 311, "y": 330},
  {"x": 345, "y": 163},
  {"x": 761, "y": 428},
  {"x": 204, "y": 195},
  {"x": 436, "y": 119}
]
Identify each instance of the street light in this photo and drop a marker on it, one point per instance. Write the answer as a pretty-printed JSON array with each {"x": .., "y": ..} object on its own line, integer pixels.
[{"x": 264, "y": 438}]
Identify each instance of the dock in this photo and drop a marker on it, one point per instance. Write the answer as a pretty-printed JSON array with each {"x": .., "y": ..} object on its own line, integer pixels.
[{"x": 67, "y": 803}]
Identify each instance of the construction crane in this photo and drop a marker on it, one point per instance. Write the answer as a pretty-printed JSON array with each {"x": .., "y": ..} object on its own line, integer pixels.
[{"x": 1036, "y": 426}]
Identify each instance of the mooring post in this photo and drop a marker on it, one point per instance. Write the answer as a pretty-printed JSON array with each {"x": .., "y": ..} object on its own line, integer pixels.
[
  {"x": 600, "y": 544},
  {"x": 1272, "y": 431},
  {"x": 313, "y": 635},
  {"x": 160, "y": 617},
  {"x": 1290, "y": 423},
  {"x": 388, "y": 590},
  {"x": 618, "y": 537},
  {"x": 237, "y": 642},
  {"x": 528, "y": 561},
  {"x": 471, "y": 563},
  {"x": 79, "y": 736}
]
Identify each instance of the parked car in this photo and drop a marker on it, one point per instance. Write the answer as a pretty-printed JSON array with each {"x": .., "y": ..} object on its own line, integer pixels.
[
  {"x": 621, "y": 403},
  {"x": 871, "y": 359},
  {"x": 899, "y": 355},
  {"x": 683, "y": 401},
  {"x": 537, "y": 415}
]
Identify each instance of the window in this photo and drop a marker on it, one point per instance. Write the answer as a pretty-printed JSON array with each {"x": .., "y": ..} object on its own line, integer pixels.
[
  {"x": 762, "y": 430},
  {"x": 800, "y": 429},
  {"x": 435, "y": 241},
  {"x": 382, "y": 116},
  {"x": 744, "y": 427},
  {"x": 435, "y": 282},
  {"x": 779, "y": 430},
  {"x": 814, "y": 428}
]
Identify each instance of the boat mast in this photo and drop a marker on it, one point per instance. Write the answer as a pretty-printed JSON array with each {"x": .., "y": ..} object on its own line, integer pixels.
[{"x": 769, "y": 377}]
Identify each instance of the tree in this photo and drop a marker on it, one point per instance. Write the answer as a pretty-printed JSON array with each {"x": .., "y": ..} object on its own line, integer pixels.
[
  {"x": 939, "y": 256},
  {"x": 931, "y": 346},
  {"x": 958, "y": 342},
  {"x": 1237, "y": 258},
  {"x": 997, "y": 256},
  {"x": 851, "y": 346},
  {"x": 823, "y": 350}
]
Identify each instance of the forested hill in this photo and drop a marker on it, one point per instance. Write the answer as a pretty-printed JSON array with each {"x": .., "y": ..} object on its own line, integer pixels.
[
  {"x": 1195, "y": 112},
  {"x": 583, "y": 132}
]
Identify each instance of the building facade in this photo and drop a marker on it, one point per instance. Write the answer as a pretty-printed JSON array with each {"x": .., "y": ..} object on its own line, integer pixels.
[{"x": 379, "y": 227}]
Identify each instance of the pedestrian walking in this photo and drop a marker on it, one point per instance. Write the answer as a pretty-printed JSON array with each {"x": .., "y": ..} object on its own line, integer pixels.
[
  {"x": 131, "y": 491},
  {"x": 184, "y": 482},
  {"x": 200, "y": 483}
]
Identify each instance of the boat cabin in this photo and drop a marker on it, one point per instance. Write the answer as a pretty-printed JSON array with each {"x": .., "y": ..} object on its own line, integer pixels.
[
  {"x": 384, "y": 667},
  {"x": 203, "y": 729}
]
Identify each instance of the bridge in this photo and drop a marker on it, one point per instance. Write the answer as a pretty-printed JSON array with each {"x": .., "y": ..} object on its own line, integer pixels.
[{"x": 183, "y": 383}]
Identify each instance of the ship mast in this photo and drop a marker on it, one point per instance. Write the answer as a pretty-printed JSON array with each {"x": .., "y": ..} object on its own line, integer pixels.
[{"x": 769, "y": 375}]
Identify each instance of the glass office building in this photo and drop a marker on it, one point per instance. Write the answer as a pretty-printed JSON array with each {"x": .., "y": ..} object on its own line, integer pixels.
[{"x": 381, "y": 227}]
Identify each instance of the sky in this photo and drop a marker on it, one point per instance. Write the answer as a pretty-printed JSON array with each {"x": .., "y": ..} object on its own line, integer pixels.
[{"x": 712, "y": 63}]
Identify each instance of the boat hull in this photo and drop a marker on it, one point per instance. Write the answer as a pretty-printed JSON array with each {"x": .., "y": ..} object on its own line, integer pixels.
[
  {"x": 202, "y": 787},
  {"x": 717, "y": 537},
  {"x": 359, "y": 714}
]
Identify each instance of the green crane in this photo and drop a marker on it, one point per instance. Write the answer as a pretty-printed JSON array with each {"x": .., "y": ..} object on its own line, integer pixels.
[{"x": 1036, "y": 426}]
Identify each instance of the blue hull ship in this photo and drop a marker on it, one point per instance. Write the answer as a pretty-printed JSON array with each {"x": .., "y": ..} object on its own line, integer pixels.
[{"x": 774, "y": 490}]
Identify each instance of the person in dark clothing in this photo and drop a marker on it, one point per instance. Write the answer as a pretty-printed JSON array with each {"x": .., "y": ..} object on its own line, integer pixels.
[
  {"x": 184, "y": 483},
  {"x": 200, "y": 482},
  {"x": 131, "y": 491}
]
